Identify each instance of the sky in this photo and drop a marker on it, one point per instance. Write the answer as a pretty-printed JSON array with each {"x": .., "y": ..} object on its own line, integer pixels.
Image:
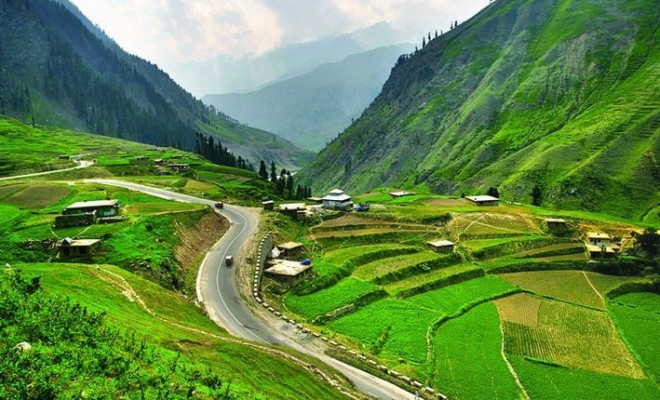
[{"x": 169, "y": 32}]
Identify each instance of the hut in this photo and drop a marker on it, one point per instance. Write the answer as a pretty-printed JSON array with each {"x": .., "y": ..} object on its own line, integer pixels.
[
  {"x": 268, "y": 205},
  {"x": 442, "y": 246},
  {"x": 78, "y": 248},
  {"x": 103, "y": 208},
  {"x": 295, "y": 210},
  {"x": 288, "y": 272},
  {"x": 484, "y": 200},
  {"x": 290, "y": 249}
]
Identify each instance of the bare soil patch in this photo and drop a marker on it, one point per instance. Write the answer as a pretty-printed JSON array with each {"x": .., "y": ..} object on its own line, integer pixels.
[{"x": 195, "y": 239}]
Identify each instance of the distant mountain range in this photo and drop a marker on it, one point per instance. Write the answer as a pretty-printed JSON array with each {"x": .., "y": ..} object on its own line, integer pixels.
[
  {"x": 225, "y": 74},
  {"x": 311, "y": 109},
  {"x": 57, "y": 69},
  {"x": 562, "y": 96}
]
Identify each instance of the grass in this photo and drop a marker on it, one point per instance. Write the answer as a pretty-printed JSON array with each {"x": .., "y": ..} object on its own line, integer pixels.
[
  {"x": 468, "y": 363},
  {"x": 545, "y": 382},
  {"x": 451, "y": 299},
  {"x": 378, "y": 268},
  {"x": 245, "y": 367},
  {"x": 326, "y": 300},
  {"x": 407, "y": 324},
  {"x": 637, "y": 317},
  {"x": 437, "y": 275}
]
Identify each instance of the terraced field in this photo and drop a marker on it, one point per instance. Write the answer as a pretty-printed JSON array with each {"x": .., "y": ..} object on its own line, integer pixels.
[{"x": 444, "y": 319}]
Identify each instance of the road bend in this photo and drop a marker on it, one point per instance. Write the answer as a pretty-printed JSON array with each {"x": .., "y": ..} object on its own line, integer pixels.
[{"x": 218, "y": 290}]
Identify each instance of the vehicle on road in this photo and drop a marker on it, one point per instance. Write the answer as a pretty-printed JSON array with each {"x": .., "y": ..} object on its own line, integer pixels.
[
  {"x": 229, "y": 261},
  {"x": 219, "y": 204}
]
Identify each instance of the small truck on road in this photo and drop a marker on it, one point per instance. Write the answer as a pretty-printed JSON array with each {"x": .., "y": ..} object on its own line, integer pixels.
[{"x": 229, "y": 261}]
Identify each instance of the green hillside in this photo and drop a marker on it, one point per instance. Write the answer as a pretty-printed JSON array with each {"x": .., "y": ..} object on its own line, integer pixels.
[
  {"x": 560, "y": 94},
  {"x": 55, "y": 71}
]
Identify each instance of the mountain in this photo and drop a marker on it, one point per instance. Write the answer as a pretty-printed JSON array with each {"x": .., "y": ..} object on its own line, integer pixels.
[
  {"x": 311, "y": 109},
  {"x": 56, "y": 69},
  {"x": 227, "y": 74},
  {"x": 559, "y": 95}
]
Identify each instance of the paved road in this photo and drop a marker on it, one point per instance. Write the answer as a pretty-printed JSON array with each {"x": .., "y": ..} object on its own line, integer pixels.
[
  {"x": 81, "y": 164},
  {"x": 216, "y": 287}
]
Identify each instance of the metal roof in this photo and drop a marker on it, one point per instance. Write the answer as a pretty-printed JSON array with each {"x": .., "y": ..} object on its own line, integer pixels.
[
  {"x": 482, "y": 198},
  {"x": 441, "y": 243},
  {"x": 93, "y": 204},
  {"x": 287, "y": 268}
]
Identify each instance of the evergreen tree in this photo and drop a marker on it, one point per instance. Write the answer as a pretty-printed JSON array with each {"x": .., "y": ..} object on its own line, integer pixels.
[
  {"x": 492, "y": 191},
  {"x": 537, "y": 194},
  {"x": 273, "y": 172},
  {"x": 263, "y": 173},
  {"x": 649, "y": 242}
]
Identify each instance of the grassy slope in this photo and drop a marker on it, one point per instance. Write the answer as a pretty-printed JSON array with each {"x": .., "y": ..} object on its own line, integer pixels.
[
  {"x": 104, "y": 290},
  {"x": 512, "y": 98}
]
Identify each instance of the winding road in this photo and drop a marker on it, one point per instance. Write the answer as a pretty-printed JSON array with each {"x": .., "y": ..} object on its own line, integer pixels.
[
  {"x": 81, "y": 164},
  {"x": 217, "y": 289}
]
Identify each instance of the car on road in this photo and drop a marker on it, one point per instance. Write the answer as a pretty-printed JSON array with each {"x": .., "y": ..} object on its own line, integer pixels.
[
  {"x": 219, "y": 204},
  {"x": 229, "y": 261}
]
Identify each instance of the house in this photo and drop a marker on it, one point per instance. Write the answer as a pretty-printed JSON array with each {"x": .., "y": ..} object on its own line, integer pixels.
[
  {"x": 556, "y": 224},
  {"x": 599, "y": 245},
  {"x": 599, "y": 238},
  {"x": 288, "y": 272},
  {"x": 179, "y": 167},
  {"x": 484, "y": 200},
  {"x": 80, "y": 247},
  {"x": 337, "y": 200},
  {"x": 442, "y": 246},
  {"x": 295, "y": 210},
  {"x": 268, "y": 205},
  {"x": 103, "y": 208},
  {"x": 69, "y": 220},
  {"x": 290, "y": 248},
  {"x": 396, "y": 195}
]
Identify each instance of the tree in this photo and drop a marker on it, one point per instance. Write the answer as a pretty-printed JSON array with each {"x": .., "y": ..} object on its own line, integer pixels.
[
  {"x": 537, "y": 194},
  {"x": 263, "y": 172},
  {"x": 649, "y": 242},
  {"x": 492, "y": 191},
  {"x": 273, "y": 172}
]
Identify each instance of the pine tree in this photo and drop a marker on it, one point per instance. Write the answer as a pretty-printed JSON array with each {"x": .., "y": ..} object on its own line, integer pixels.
[
  {"x": 263, "y": 173},
  {"x": 273, "y": 172}
]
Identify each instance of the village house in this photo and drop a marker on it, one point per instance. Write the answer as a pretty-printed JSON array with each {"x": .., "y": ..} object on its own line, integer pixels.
[
  {"x": 103, "y": 208},
  {"x": 396, "y": 195},
  {"x": 599, "y": 245},
  {"x": 179, "y": 167},
  {"x": 288, "y": 272},
  {"x": 78, "y": 248},
  {"x": 268, "y": 205},
  {"x": 484, "y": 200},
  {"x": 556, "y": 224},
  {"x": 442, "y": 246},
  {"x": 337, "y": 200},
  {"x": 295, "y": 210},
  {"x": 290, "y": 249}
]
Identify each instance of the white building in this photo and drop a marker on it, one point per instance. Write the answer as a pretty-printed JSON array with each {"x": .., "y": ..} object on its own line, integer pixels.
[{"x": 337, "y": 200}]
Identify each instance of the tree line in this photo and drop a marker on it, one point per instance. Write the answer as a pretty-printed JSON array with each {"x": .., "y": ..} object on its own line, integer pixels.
[{"x": 283, "y": 182}]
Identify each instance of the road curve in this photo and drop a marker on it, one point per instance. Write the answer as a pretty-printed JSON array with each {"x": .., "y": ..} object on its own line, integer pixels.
[{"x": 216, "y": 287}]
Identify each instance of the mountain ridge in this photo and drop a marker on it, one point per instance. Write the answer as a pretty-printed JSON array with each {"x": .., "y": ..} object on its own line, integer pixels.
[{"x": 525, "y": 93}]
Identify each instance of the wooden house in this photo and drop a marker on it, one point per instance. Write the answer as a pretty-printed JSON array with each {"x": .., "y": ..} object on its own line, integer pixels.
[{"x": 442, "y": 246}]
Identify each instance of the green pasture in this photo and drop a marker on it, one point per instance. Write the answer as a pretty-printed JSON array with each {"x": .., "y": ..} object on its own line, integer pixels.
[
  {"x": 323, "y": 301},
  {"x": 378, "y": 268}
]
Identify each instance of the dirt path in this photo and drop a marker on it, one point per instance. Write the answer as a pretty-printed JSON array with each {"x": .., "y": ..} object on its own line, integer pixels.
[
  {"x": 510, "y": 367},
  {"x": 593, "y": 287}
]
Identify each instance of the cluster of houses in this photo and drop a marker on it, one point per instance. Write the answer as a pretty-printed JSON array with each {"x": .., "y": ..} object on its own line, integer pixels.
[
  {"x": 84, "y": 213},
  {"x": 336, "y": 200},
  {"x": 284, "y": 265}
]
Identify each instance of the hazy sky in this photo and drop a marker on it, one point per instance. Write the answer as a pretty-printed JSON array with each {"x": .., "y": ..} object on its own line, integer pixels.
[{"x": 176, "y": 31}]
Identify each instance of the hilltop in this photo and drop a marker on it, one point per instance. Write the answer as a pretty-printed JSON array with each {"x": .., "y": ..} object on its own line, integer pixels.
[
  {"x": 563, "y": 95},
  {"x": 56, "y": 70}
]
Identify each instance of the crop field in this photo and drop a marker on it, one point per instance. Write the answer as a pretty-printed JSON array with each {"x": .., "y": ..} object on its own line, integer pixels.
[
  {"x": 484, "y": 224},
  {"x": 342, "y": 255},
  {"x": 362, "y": 232},
  {"x": 604, "y": 283},
  {"x": 430, "y": 277},
  {"x": 38, "y": 196},
  {"x": 521, "y": 309},
  {"x": 553, "y": 249},
  {"x": 347, "y": 220},
  {"x": 572, "y": 336},
  {"x": 549, "y": 382},
  {"x": 452, "y": 299},
  {"x": 406, "y": 325},
  {"x": 638, "y": 318},
  {"x": 479, "y": 244},
  {"x": 380, "y": 267},
  {"x": 571, "y": 286},
  {"x": 469, "y": 365},
  {"x": 326, "y": 300}
]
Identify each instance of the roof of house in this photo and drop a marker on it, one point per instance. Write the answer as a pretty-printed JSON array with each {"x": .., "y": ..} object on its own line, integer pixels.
[
  {"x": 555, "y": 221},
  {"x": 292, "y": 206},
  {"x": 481, "y": 198},
  {"x": 94, "y": 204},
  {"x": 79, "y": 242},
  {"x": 290, "y": 246},
  {"x": 287, "y": 268},
  {"x": 337, "y": 195},
  {"x": 441, "y": 243},
  {"x": 592, "y": 248},
  {"x": 267, "y": 202},
  {"x": 598, "y": 235},
  {"x": 401, "y": 194}
]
